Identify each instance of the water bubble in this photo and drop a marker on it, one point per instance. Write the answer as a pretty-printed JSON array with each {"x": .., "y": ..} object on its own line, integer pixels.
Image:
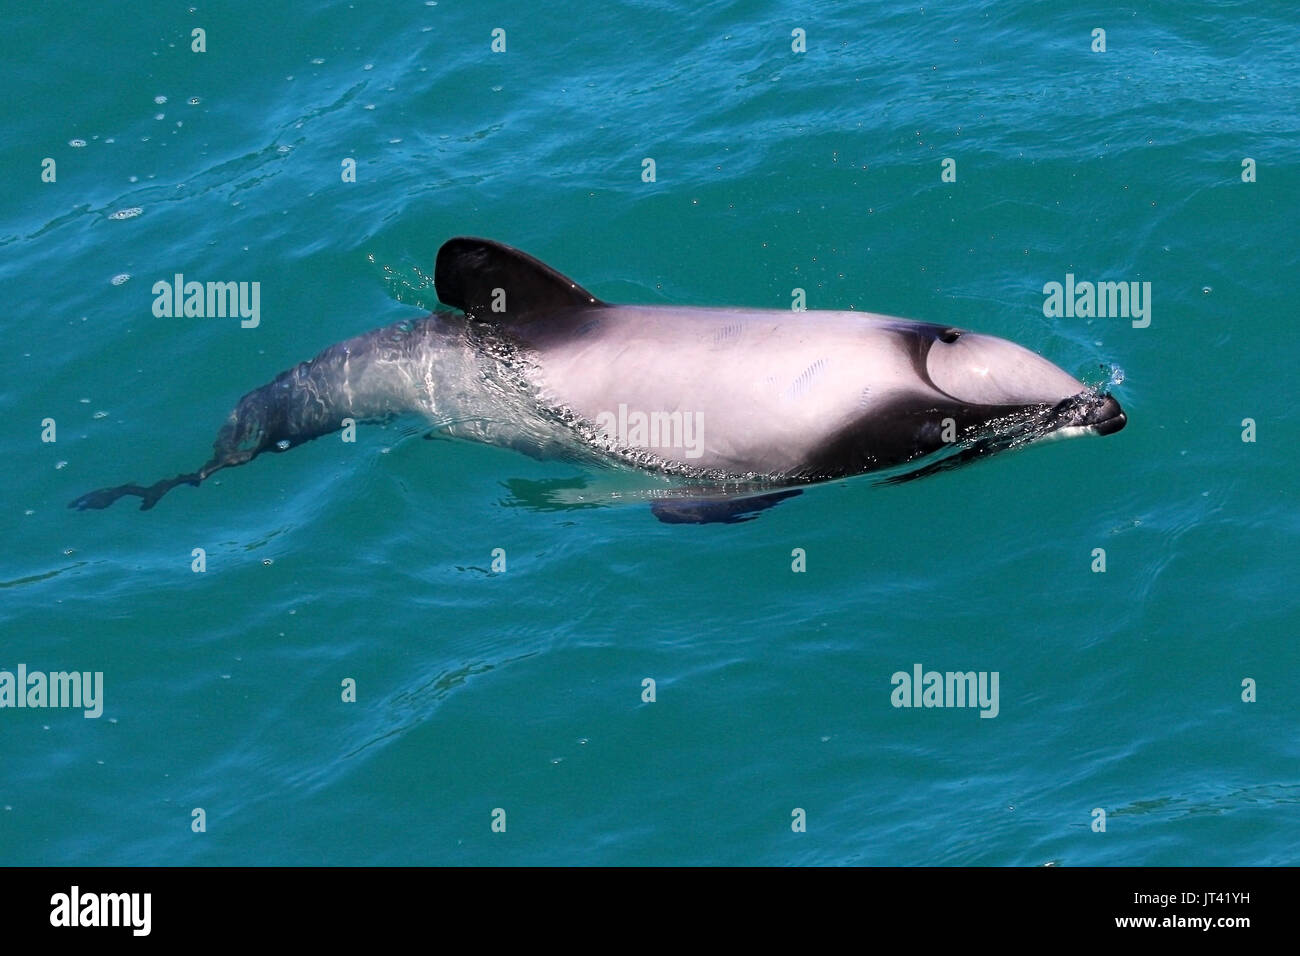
[
  {"x": 129, "y": 213},
  {"x": 267, "y": 562},
  {"x": 282, "y": 444},
  {"x": 194, "y": 101},
  {"x": 160, "y": 100},
  {"x": 100, "y": 415},
  {"x": 76, "y": 143},
  {"x": 120, "y": 278},
  {"x": 1116, "y": 375},
  {"x": 1206, "y": 290}
]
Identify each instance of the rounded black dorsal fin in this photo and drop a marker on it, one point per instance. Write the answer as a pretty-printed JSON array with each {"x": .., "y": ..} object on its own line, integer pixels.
[{"x": 488, "y": 280}]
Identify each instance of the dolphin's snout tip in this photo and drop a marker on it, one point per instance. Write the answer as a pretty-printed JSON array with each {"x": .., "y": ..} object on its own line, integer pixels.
[{"x": 1110, "y": 417}]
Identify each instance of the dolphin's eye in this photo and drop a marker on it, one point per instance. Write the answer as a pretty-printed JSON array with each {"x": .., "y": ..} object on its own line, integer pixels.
[{"x": 949, "y": 336}]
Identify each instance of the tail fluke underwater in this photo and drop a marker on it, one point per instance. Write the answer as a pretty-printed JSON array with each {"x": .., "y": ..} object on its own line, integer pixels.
[
  {"x": 248, "y": 432},
  {"x": 311, "y": 399},
  {"x": 103, "y": 497}
]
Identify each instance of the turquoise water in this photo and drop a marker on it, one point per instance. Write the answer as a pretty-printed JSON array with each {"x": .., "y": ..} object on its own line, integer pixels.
[{"x": 522, "y": 690}]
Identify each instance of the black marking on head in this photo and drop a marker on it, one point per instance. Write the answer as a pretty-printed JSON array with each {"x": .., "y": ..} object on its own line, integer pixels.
[
  {"x": 918, "y": 338},
  {"x": 493, "y": 282},
  {"x": 907, "y": 428}
]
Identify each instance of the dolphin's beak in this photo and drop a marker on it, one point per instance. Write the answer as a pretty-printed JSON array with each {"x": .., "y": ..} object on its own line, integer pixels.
[
  {"x": 1108, "y": 418},
  {"x": 1087, "y": 412}
]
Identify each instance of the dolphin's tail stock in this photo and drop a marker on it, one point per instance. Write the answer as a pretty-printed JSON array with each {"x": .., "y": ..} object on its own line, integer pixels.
[{"x": 309, "y": 400}]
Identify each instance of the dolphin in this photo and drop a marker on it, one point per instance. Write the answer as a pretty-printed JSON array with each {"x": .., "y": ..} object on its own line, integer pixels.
[{"x": 735, "y": 408}]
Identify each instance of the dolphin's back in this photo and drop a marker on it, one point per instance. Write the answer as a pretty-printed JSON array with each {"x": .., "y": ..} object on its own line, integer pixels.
[{"x": 766, "y": 392}]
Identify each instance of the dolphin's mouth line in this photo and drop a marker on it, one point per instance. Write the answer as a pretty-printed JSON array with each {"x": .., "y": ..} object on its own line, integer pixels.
[{"x": 1090, "y": 411}]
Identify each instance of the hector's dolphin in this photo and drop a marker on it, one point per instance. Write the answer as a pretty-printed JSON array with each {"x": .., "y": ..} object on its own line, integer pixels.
[{"x": 731, "y": 404}]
